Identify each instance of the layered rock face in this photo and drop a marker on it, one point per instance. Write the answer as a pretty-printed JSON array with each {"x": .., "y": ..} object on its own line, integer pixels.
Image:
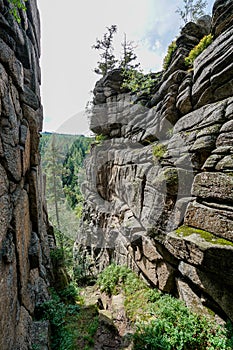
[
  {"x": 24, "y": 240},
  {"x": 159, "y": 188}
]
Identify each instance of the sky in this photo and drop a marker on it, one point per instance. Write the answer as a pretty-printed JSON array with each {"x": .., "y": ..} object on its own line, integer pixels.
[{"x": 69, "y": 29}]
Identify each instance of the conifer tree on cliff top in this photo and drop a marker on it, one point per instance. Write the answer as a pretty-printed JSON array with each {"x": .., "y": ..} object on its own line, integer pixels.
[
  {"x": 105, "y": 46},
  {"x": 191, "y": 10},
  {"x": 108, "y": 60},
  {"x": 128, "y": 55}
]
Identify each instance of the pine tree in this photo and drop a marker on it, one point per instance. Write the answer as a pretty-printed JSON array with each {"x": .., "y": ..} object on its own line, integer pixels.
[
  {"x": 105, "y": 47},
  {"x": 128, "y": 55},
  {"x": 53, "y": 170},
  {"x": 73, "y": 170},
  {"x": 192, "y": 10}
]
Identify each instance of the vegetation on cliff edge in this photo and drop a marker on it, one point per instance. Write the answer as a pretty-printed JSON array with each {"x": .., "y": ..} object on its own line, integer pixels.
[{"x": 162, "y": 321}]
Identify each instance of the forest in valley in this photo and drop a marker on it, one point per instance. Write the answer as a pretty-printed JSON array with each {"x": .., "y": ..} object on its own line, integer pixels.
[{"x": 62, "y": 159}]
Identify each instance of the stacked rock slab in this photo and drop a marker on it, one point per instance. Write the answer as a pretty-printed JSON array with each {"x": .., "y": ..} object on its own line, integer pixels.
[
  {"x": 24, "y": 240},
  {"x": 159, "y": 188}
]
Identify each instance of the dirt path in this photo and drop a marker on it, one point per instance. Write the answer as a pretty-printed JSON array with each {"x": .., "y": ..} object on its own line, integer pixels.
[{"x": 113, "y": 330}]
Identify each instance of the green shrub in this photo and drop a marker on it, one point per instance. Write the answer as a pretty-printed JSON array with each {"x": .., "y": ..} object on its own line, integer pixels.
[
  {"x": 35, "y": 347},
  {"x": 61, "y": 315},
  {"x": 17, "y": 5},
  {"x": 109, "y": 279},
  {"x": 174, "y": 327},
  {"x": 162, "y": 321},
  {"x": 57, "y": 256},
  {"x": 100, "y": 138},
  {"x": 136, "y": 81},
  {"x": 198, "y": 49},
  {"x": 168, "y": 58},
  {"x": 159, "y": 150},
  {"x": 70, "y": 293}
]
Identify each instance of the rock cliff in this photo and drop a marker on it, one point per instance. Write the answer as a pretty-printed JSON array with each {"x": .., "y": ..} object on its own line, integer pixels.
[
  {"x": 25, "y": 268},
  {"x": 159, "y": 188}
]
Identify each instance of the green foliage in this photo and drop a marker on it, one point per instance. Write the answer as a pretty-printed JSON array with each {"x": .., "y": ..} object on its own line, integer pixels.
[
  {"x": 108, "y": 279},
  {"x": 192, "y": 10},
  {"x": 128, "y": 56},
  {"x": 53, "y": 158},
  {"x": 62, "y": 255},
  {"x": 70, "y": 293},
  {"x": 63, "y": 141},
  {"x": 162, "y": 321},
  {"x": 35, "y": 347},
  {"x": 170, "y": 51},
  {"x": 57, "y": 255},
  {"x": 73, "y": 173},
  {"x": 198, "y": 49},
  {"x": 229, "y": 334},
  {"x": 88, "y": 323},
  {"x": 100, "y": 138},
  {"x": 73, "y": 326},
  {"x": 62, "y": 161},
  {"x": 133, "y": 78},
  {"x": 136, "y": 81},
  {"x": 17, "y": 5},
  {"x": 61, "y": 313},
  {"x": 174, "y": 327},
  {"x": 159, "y": 150},
  {"x": 115, "y": 279},
  {"x": 185, "y": 231},
  {"x": 169, "y": 132},
  {"x": 90, "y": 331},
  {"x": 81, "y": 271},
  {"x": 105, "y": 47}
]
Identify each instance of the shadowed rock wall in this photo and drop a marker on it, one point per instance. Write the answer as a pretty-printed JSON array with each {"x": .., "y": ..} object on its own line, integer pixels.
[
  {"x": 24, "y": 240},
  {"x": 159, "y": 188}
]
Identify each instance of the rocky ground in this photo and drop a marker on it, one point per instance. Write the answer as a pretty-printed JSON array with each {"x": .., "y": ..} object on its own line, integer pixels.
[{"x": 114, "y": 331}]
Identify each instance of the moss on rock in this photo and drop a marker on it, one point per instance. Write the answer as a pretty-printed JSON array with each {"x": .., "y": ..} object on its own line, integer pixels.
[{"x": 185, "y": 231}]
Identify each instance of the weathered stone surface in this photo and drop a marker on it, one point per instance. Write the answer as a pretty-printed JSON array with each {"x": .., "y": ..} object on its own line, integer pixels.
[
  {"x": 24, "y": 249},
  {"x": 213, "y": 186},
  {"x": 41, "y": 334},
  {"x": 209, "y": 255},
  {"x": 208, "y": 283},
  {"x": 108, "y": 86},
  {"x": 213, "y": 72},
  {"x": 8, "y": 300},
  {"x": 11, "y": 63},
  {"x": 23, "y": 331},
  {"x": 222, "y": 16},
  {"x": 218, "y": 221},
  {"x": 190, "y": 298},
  {"x": 34, "y": 251},
  {"x": 184, "y": 102},
  {"x": 165, "y": 164},
  {"x": 225, "y": 164}
]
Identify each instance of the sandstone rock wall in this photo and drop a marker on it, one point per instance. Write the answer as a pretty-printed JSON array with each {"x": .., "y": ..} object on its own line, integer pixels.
[
  {"x": 24, "y": 241},
  {"x": 159, "y": 188}
]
